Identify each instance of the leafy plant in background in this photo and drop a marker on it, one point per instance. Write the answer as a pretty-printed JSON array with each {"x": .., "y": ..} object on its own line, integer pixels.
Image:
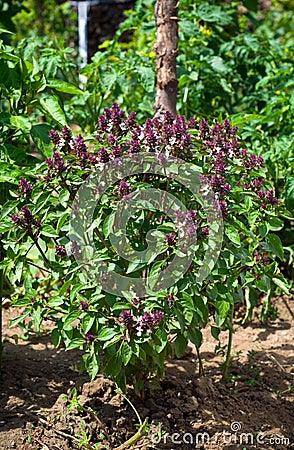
[
  {"x": 55, "y": 20},
  {"x": 125, "y": 337}
]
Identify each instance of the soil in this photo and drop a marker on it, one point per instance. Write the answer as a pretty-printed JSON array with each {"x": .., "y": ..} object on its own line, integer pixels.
[{"x": 254, "y": 410}]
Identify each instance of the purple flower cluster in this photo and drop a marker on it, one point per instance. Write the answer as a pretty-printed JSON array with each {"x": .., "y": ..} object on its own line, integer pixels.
[
  {"x": 67, "y": 144},
  {"x": 221, "y": 207},
  {"x": 164, "y": 133},
  {"x": 84, "y": 305},
  {"x": 60, "y": 251},
  {"x": 25, "y": 186},
  {"x": 113, "y": 121},
  {"x": 127, "y": 318},
  {"x": 221, "y": 145},
  {"x": 187, "y": 222},
  {"x": 204, "y": 233},
  {"x": 56, "y": 164},
  {"x": 26, "y": 219},
  {"x": 170, "y": 239},
  {"x": 62, "y": 141},
  {"x": 103, "y": 155},
  {"x": 90, "y": 337},
  {"x": 219, "y": 185},
  {"x": 252, "y": 162},
  {"x": 261, "y": 258},
  {"x": 170, "y": 299},
  {"x": 148, "y": 321},
  {"x": 268, "y": 198},
  {"x": 143, "y": 324},
  {"x": 255, "y": 184},
  {"x": 123, "y": 188}
]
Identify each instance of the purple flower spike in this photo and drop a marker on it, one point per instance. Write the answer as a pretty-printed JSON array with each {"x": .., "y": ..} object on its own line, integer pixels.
[
  {"x": 27, "y": 215},
  {"x": 16, "y": 219},
  {"x": 204, "y": 232},
  {"x": 54, "y": 137},
  {"x": 84, "y": 305},
  {"x": 170, "y": 239},
  {"x": 117, "y": 151},
  {"x": 60, "y": 251},
  {"x": 90, "y": 337},
  {"x": 123, "y": 189},
  {"x": 103, "y": 155},
  {"x": 66, "y": 134},
  {"x": 25, "y": 186},
  {"x": 127, "y": 318},
  {"x": 136, "y": 301}
]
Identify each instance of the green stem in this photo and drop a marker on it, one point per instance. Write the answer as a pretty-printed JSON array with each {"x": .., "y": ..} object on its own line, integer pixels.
[
  {"x": 201, "y": 368},
  {"x": 229, "y": 349},
  {"x": 134, "y": 439},
  {"x": 120, "y": 392}
]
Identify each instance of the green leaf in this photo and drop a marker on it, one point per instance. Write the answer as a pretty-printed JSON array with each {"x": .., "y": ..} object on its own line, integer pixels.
[
  {"x": 223, "y": 308},
  {"x": 180, "y": 345},
  {"x": 21, "y": 123},
  {"x": 74, "y": 315},
  {"x": 64, "y": 86},
  {"x": 126, "y": 353},
  {"x": 108, "y": 224},
  {"x": 276, "y": 245},
  {"x": 263, "y": 229},
  {"x": 147, "y": 78},
  {"x": 87, "y": 323},
  {"x": 264, "y": 284},
  {"x": 251, "y": 4},
  {"x": 215, "y": 332},
  {"x": 49, "y": 231},
  {"x": 52, "y": 107},
  {"x": 195, "y": 336},
  {"x": 15, "y": 321},
  {"x": 56, "y": 337},
  {"x": 218, "y": 64},
  {"x": 76, "y": 343},
  {"x": 106, "y": 333},
  {"x": 275, "y": 224},
  {"x": 40, "y": 136},
  {"x": 233, "y": 235},
  {"x": 92, "y": 365},
  {"x": 288, "y": 193},
  {"x": 282, "y": 285}
]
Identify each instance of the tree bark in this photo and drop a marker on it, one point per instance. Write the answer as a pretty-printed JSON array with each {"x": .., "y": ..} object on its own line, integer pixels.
[{"x": 166, "y": 45}]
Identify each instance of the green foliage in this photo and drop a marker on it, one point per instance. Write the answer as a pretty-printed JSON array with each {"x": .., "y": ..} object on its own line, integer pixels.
[
  {"x": 52, "y": 19},
  {"x": 29, "y": 89}
]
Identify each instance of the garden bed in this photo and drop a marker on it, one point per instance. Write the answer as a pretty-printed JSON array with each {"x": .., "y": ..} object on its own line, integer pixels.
[{"x": 258, "y": 401}]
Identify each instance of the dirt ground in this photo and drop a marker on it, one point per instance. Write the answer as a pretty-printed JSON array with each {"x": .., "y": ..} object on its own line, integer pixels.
[{"x": 255, "y": 410}]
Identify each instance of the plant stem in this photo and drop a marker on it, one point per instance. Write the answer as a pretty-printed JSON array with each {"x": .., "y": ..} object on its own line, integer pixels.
[
  {"x": 132, "y": 441},
  {"x": 201, "y": 368},
  {"x": 120, "y": 392},
  {"x": 229, "y": 349}
]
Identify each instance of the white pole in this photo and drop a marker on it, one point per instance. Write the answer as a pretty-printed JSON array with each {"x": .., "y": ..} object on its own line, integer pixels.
[{"x": 83, "y": 9}]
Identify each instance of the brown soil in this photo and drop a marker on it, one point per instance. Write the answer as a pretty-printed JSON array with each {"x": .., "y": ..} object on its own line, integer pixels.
[{"x": 206, "y": 413}]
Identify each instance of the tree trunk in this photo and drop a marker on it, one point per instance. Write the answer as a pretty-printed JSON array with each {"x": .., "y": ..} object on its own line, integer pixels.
[{"x": 166, "y": 20}]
